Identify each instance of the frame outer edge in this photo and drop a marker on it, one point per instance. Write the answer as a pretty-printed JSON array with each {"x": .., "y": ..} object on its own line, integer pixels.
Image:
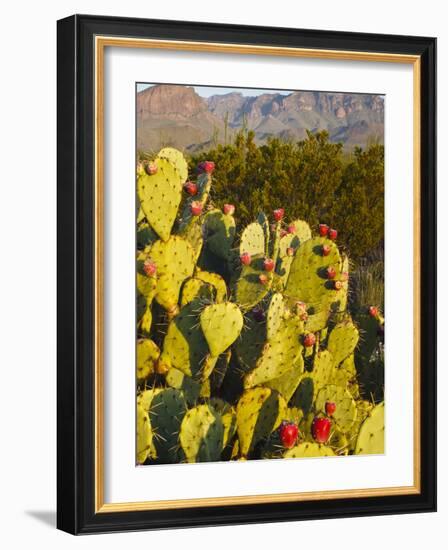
[{"x": 67, "y": 415}]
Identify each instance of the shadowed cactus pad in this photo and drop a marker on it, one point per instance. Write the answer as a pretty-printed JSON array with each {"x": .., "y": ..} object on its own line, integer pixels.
[
  {"x": 220, "y": 230},
  {"x": 166, "y": 411},
  {"x": 221, "y": 325},
  {"x": 202, "y": 434},
  {"x": 160, "y": 195},
  {"x": 184, "y": 346}
]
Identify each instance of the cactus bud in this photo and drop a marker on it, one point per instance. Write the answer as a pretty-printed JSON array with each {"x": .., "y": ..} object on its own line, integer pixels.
[
  {"x": 229, "y": 209},
  {"x": 196, "y": 208},
  {"x": 151, "y": 168},
  {"x": 278, "y": 214}
]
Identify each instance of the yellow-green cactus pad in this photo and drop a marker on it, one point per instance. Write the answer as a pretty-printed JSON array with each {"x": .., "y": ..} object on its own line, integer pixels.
[
  {"x": 249, "y": 289},
  {"x": 194, "y": 289},
  {"x": 371, "y": 435},
  {"x": 342, "y": 341},
  {"x": 145, "y": 322},
  {"x": 252, "y": 240},
  {"x": 302, "y": 230},
  {"x": 304, "y": 395},
  {"x": 160, "y": 196},
  {"x": 221, "y": 325},
  {"x": 322, "y": 370},
  {"x": 274, "y": 317},
  {"x": 263, "y": 220},
  {"x": 346, "y": 411},
  {"x": 307, "y": 279},
  {"x": 202, "y": 434},
  {"x": 284, "y": 258},
  {"x": 175, "y": 263},
  {"x": 228, "y": 417},
  {"x": 287, "y": 384},
  {"x": 184, "y": 346},
  {"x": 309, "y": 450},
  {"x": 279, "y": 354},
  {"x": 147, "y": 356},
  {"x": 216, "y": 281},
  {"x": 177, "y": 159},
  {"x": 258, "y": 413},
  {"x": 147, "y": 286},
  {"x": 218, "y": 373},
  {"x": 219, "y": 232},
  {"x": 144, "y": 435}
]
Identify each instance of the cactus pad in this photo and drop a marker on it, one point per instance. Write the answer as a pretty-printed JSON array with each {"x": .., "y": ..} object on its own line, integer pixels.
[
  {"x": 279, "y": 354},
  {"x": 371, "y": 435},
  {"x": 275, "y": 314},
  {"x": 252, "y": 240},
  {"x": 309, "y": 450},
  {"x": 147, "y": 356},
  {"x": 221, "y": 325},
  {"x": 202, "y": 434},
  {"x": 301, "y": 230},
  {"x": 144, "y": 435},
  {"x": 287, "y": 383},
  {"x": 342, "y": 341},
  {"x": 346, "y": 411},
  {"x": 175, "y": 263},
  {"x": 176, "y": 159},
  {"x": 184, "y": 346},
  {"x": 195, "y": 289},
  {"x": 307, "y": 279},
  {"x": 160, "y": 196},
  {"x": 249, "y": 290},
  {"x": 220, "y": 231},
  {"x": 190, "y": 388},
  {"x": 166, "y": 412},
  {"x": 258, "y": 413}
]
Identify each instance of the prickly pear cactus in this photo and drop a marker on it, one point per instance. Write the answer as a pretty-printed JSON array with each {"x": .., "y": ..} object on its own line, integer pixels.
[
  {"x": 242, "y": 331},
  {"x": 160, "y": 195},
  {"x": 202, "y": 434}
]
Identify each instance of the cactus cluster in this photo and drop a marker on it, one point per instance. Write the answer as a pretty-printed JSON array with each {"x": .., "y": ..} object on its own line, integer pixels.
[{"x": 245, "y": 346}]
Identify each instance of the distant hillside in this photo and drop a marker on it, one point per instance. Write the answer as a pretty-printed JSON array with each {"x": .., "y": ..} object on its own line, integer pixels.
[{"x": 178, "y": 116}]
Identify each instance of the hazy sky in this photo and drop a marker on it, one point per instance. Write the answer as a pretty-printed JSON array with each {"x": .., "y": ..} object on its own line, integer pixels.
[{"x": 207, "y": 91}]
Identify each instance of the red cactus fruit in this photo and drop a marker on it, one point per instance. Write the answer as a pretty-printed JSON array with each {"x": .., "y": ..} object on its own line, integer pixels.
[
  {"x": 245, "y": 258},
  {"x": 332, "y": 234},
  {"x": 278, "y": 214},
  {"x": 191, "y": 188},
  {"x": 268, "y": 264},
  {"x": 291, "y": 228},
  {"x": 321, "y": 429},
  {"x": 228, "y": 209},
  {"x": 196, "y": 208},
  {"x": 151, "y": 168},
  {"x": 330, "y": 408},
  {"x": 326, "y": 249},
  {"x": 323, "y": 229},
  {"x": 309, "y": 340},
  {"x": 150, "y": 268},
  {"x": 373, "y": 311},
  {"x": 209, "y": 166},
  {"x": 289, "y": 432},
  {"x": 331, "y": 272}
]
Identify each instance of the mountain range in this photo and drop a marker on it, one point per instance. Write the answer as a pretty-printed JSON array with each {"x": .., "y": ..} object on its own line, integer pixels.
[{"x": 177, "y": 115}]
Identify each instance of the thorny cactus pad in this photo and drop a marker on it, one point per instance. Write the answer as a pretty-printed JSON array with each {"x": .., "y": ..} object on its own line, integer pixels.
[{"x": 244, "y": 330}]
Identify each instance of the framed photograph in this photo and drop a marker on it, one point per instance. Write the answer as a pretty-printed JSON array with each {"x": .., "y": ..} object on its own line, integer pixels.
[{"x": 246, "y": 274}]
